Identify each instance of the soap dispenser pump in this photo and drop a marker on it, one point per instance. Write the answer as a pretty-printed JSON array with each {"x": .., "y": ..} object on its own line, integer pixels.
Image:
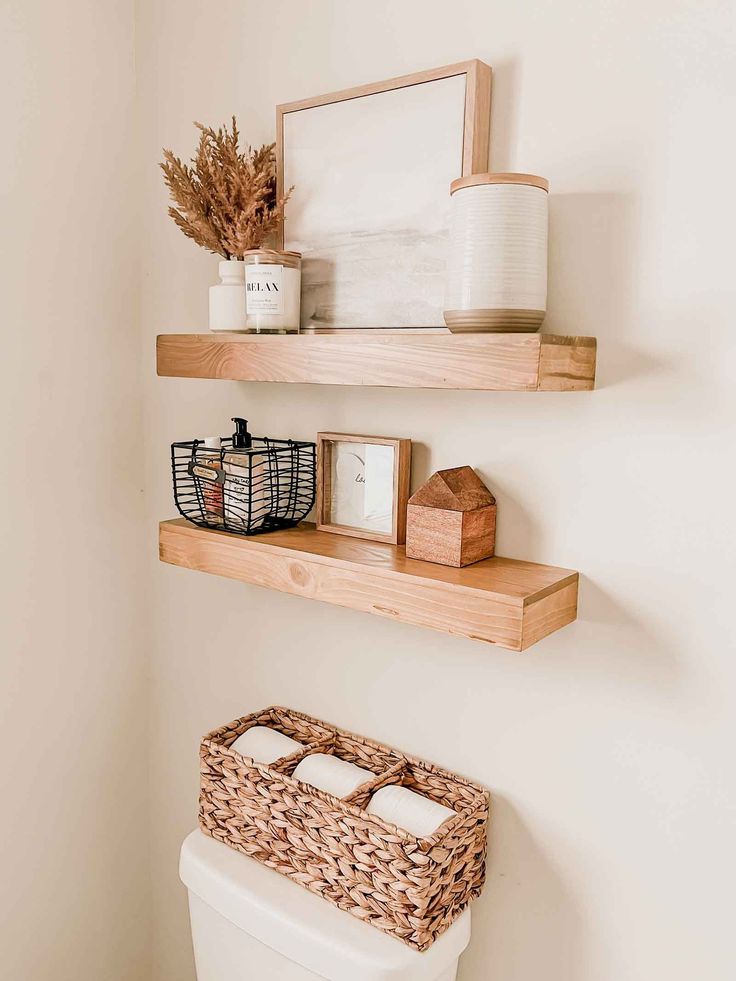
[
  {"x": 246, "y": 484},
  {"x": 242, "y": 439}
]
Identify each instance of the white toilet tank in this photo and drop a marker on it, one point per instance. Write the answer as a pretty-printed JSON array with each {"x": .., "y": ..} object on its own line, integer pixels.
[{"x": 249, "y": 922}]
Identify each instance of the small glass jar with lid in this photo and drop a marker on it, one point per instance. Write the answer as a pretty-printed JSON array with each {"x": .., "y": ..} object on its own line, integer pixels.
[{"x": 273, "y": 285}]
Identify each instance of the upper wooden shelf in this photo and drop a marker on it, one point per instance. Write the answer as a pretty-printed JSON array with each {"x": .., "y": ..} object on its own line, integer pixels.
[
  {"x": 501, "y": 601},
  {"x": 491, "y": 362}
]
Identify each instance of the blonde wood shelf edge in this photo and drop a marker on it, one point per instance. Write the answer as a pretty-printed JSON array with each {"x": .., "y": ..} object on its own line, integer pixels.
[
  {"x": 506, "y": 602},
  {"x": 423, "y": 359}
]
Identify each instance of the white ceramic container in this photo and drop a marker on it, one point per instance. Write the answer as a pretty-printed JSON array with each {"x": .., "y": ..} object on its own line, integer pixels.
[
  {"x": 273, "y": 286},
  {"x": 227, "y": 299},
  {"x": 497, "y": 266}
]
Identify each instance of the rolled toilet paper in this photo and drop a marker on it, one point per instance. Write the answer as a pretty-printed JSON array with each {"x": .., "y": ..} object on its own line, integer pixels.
[
  {"x": 265, "y": 745},
  {"x": 336, "y": 776},
  {"x": 413, "y": 812}
]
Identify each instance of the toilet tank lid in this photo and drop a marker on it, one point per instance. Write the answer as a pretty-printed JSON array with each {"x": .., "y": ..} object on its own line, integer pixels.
[{"x": 304, "y": 927}]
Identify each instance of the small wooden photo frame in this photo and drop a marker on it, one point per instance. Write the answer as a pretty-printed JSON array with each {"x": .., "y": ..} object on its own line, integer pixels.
[{"x": 363, "y": 486}]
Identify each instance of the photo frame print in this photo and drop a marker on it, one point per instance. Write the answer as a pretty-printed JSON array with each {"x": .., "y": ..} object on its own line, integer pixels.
[
  {"x": 363, "y": 486},
  {"x": 371, "y": 168}
]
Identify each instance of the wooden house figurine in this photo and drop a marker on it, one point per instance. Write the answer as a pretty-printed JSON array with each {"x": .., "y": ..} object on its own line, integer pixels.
[{"x": 451, "y": 519}]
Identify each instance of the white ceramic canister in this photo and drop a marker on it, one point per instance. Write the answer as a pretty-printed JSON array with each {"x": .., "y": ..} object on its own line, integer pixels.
[
  {"x": 497, "y": 266},
  {"x": 227, "y": 299},
  {"x": 273, "y": 287}
]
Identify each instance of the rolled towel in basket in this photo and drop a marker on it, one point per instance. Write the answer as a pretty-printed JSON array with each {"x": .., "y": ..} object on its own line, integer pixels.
[
  {"x": 265, "y": 745},
  {"x": 336, "y": 776},
  {"x": 413, "y": 812}
]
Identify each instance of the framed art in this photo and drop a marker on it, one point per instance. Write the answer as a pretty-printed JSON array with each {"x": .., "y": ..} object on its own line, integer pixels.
[
  {"x": 363, "y": 486},
  {"x": 371, "y": 169}
]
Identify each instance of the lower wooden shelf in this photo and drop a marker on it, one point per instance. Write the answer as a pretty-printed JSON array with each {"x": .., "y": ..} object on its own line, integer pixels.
[{"x": 500, "y": 601}]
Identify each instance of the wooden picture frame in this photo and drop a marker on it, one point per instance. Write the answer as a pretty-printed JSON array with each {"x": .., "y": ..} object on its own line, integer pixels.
[
  {"x": 370, "y": 206},
  {"x": 397, "y": 484}
]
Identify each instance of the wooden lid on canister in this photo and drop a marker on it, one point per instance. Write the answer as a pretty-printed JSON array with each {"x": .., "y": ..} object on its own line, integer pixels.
[
  {"x": 276, "y": 257},
  {"x": 473, "y": 180}
]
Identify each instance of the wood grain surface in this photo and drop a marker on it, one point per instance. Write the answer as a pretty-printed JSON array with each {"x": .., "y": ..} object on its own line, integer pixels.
[
  {"x": 492, "y": 362},
  {"x": 500, "y": 601}
]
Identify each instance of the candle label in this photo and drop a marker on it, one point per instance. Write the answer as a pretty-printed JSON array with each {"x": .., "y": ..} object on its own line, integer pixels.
[{"x": 264, "y": 289}]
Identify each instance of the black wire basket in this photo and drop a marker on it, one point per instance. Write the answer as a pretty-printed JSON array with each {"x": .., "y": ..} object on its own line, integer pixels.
[{"x": 267, "y": 486}]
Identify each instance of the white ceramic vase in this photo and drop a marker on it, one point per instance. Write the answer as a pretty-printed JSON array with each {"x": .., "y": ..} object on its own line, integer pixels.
[
  {"x": 497, "y": 266},
  {"x": 227, "y": 299}
]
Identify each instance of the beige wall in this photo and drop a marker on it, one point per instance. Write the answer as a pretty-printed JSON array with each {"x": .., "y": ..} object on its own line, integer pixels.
[
  {"x": 73, "y": 817},
  {"x": 606, "y": 747}
]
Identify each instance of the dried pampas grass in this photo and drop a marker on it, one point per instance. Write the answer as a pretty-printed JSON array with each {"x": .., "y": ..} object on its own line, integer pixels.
[{"x": 226, "y": 200}]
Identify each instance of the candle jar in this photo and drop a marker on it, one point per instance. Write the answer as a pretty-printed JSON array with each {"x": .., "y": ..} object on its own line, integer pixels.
[
  {"x": 273, "y": 285},
  {"x": 497, "y": 266}
]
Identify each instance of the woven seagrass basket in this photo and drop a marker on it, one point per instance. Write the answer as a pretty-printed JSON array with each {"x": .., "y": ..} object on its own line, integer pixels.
[{"x": 412, "y": 888}]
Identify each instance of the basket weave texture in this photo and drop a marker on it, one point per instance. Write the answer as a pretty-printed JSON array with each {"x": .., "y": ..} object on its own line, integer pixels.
[{"x": 412, "y": 888}]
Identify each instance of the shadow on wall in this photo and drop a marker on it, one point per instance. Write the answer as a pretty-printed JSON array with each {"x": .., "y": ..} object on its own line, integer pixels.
[
  {"x": 505, "y": 100},
  {"x": 593, "y": 277},
  {"x": 523, "y": 523},
  {"x": 593, "y": 256},
  {"x": 525, "y": 925},
  {"x": 421, "y": 464},
  {"x": 609, "y": 633}
]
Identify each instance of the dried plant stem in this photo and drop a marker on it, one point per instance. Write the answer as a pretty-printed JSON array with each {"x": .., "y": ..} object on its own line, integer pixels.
[{"x": 226, "y": 199}]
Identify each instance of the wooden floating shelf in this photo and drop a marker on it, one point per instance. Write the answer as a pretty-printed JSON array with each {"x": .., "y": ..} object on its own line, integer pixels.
[
  {"x": 500, "y": 601},
  {"x": 491, "y": 362}
]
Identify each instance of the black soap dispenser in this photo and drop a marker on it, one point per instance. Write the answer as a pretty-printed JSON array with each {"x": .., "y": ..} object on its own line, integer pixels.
[
  {"x": 242, "y": 439},
  {"x": 244, "y": 481}
]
